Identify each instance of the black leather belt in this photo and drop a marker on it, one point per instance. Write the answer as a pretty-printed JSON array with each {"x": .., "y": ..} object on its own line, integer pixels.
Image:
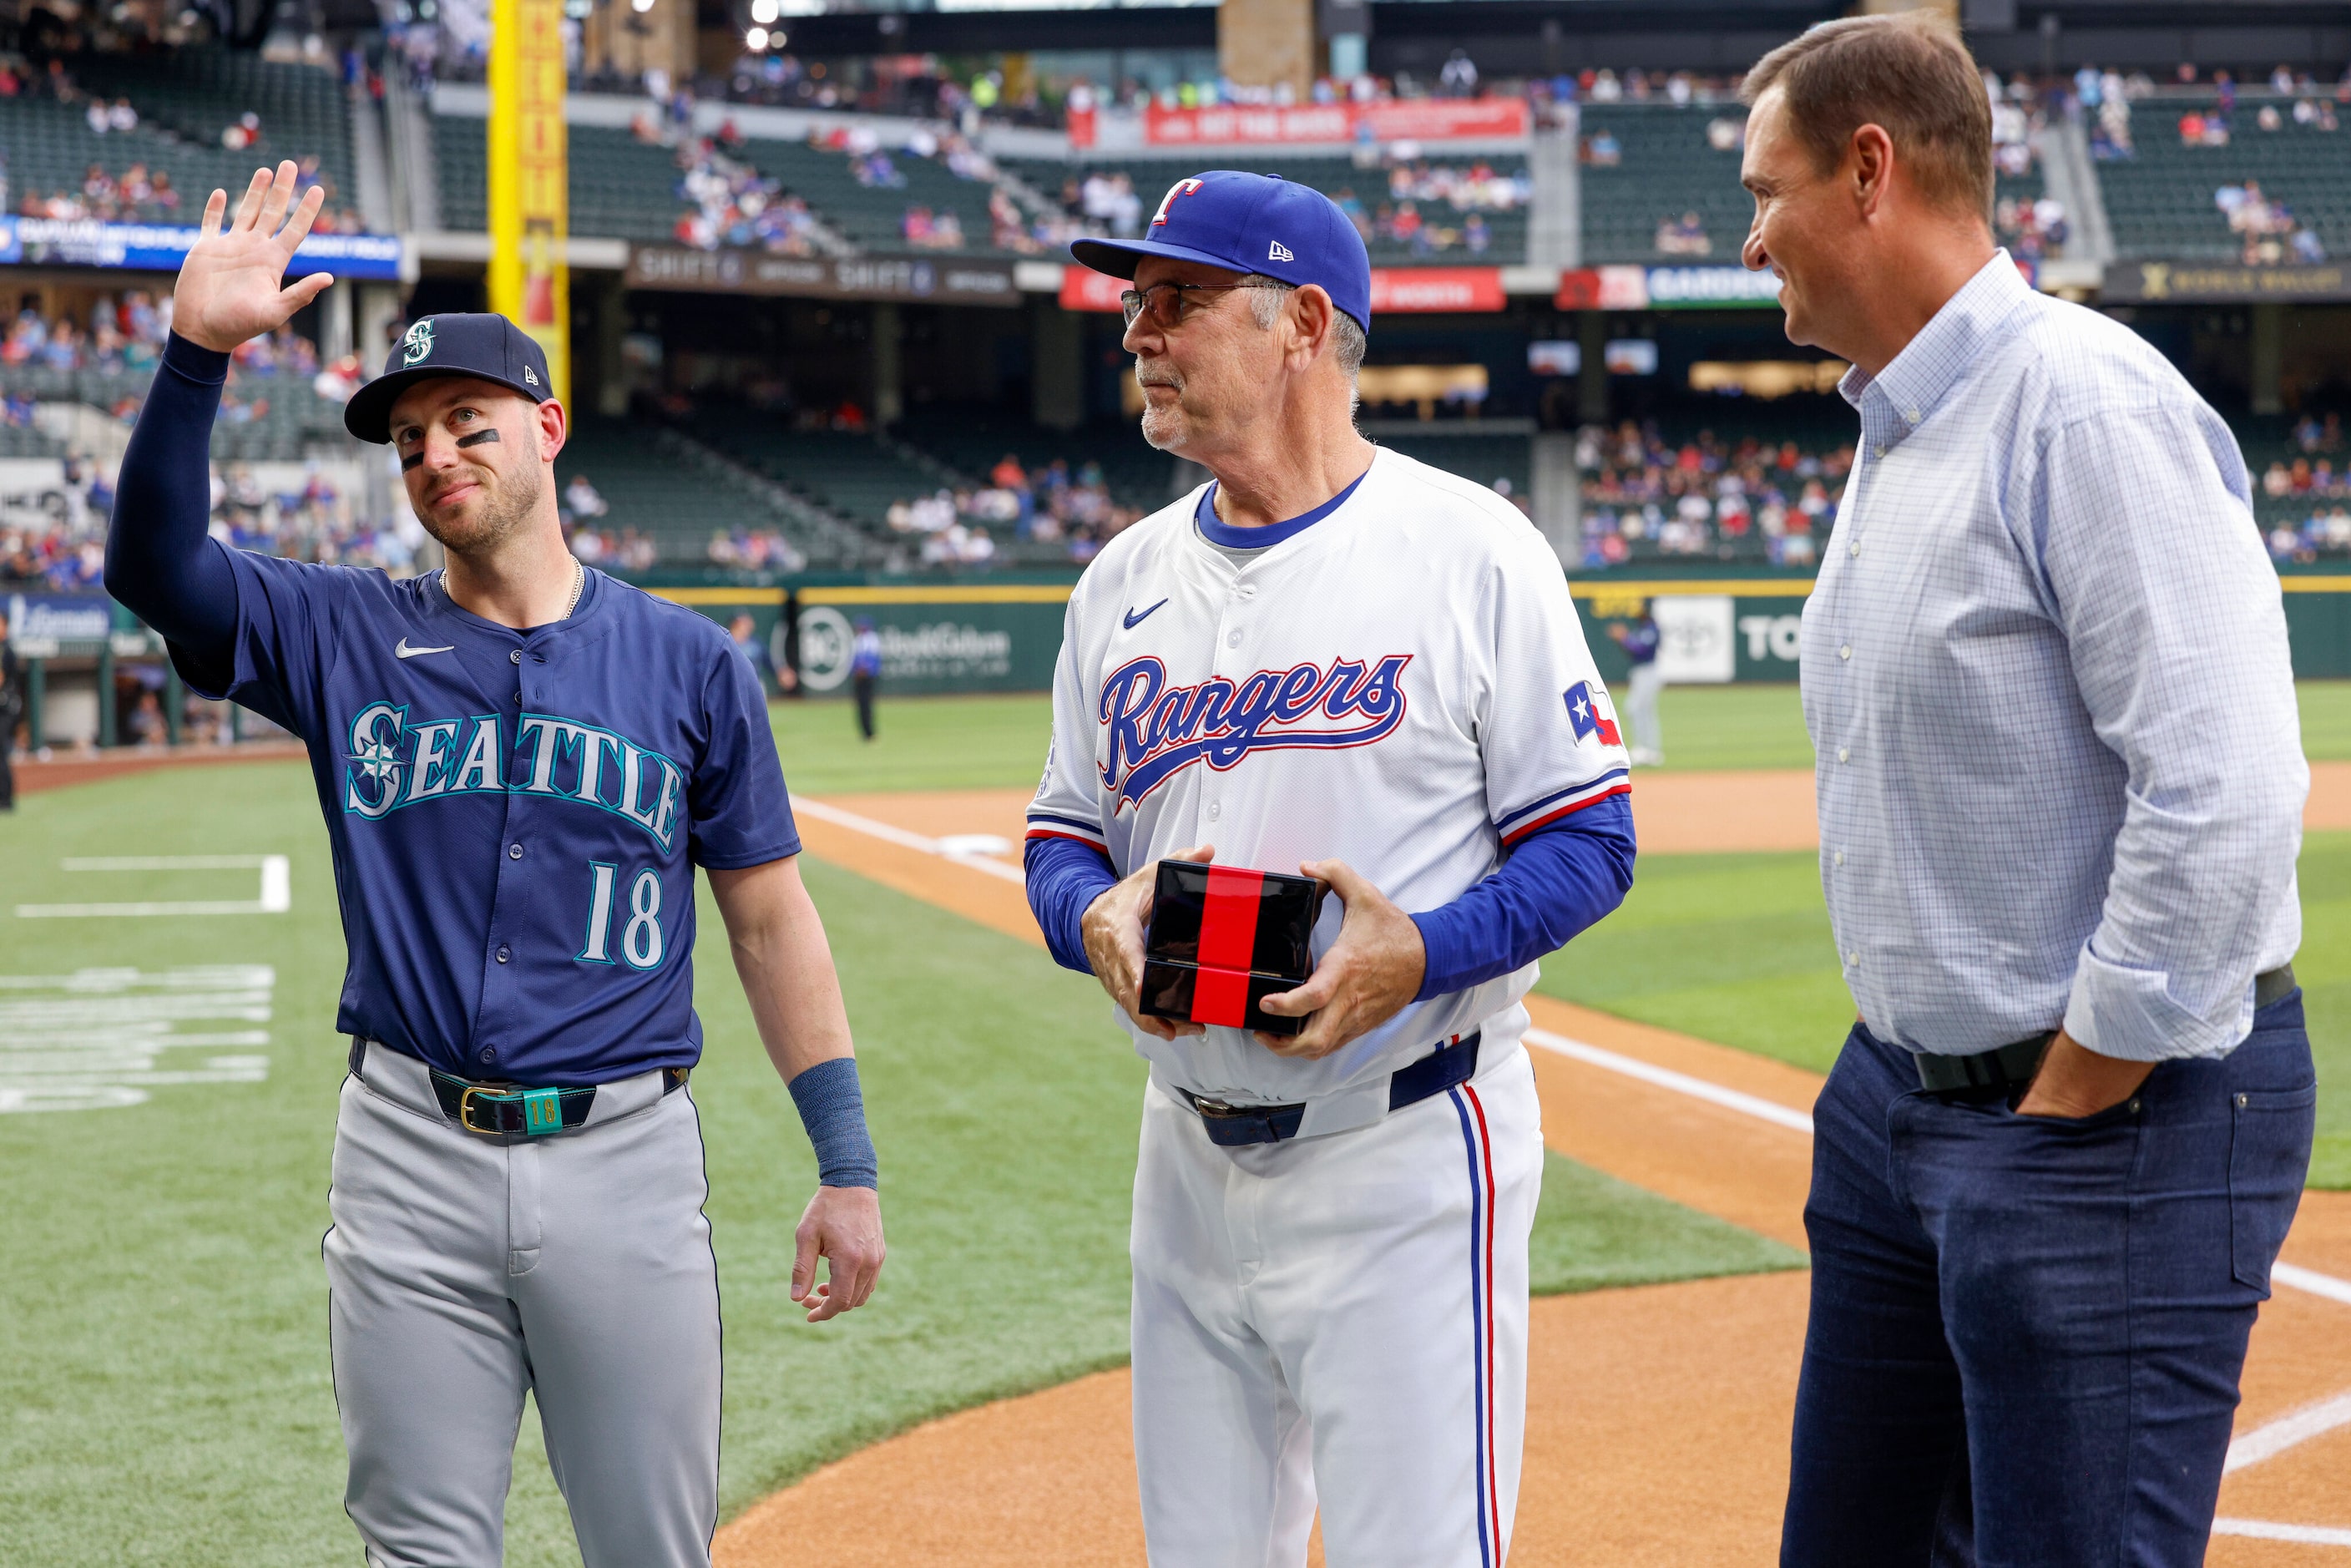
[
  {"x": 502, "y": 1110},
  {"x": 1230, "y": 1126},
  {"x": 2009, "y": 1068}
]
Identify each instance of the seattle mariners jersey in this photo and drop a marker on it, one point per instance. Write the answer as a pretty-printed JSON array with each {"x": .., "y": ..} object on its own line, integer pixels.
[
  {"x": 514, "y": 817},
  {"x": 1402, "y": 686}
]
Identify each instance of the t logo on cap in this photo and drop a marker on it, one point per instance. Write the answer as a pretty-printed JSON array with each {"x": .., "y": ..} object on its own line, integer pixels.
[
  {"x": 417, "y": 345},
  {"x": 1180, "y": 188}
]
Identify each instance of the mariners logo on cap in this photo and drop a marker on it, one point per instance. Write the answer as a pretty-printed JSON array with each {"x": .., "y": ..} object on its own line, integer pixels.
[{"x": 416, "y": 347}]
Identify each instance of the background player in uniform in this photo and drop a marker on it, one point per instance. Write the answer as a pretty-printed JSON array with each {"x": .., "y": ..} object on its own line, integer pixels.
[
  {"x": 521, "y": 762},
  {"x": 1640, "y": 639},
  {"x": 1334, "y": 657}
]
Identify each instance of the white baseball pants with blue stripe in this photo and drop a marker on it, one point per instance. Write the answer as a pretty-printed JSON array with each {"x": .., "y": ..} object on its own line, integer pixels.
[
  {"x": 1337, "y": 1321},
  {"x": 464, "y": 1271}
]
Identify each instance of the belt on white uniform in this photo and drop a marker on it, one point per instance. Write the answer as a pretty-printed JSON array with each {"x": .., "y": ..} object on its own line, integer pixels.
[{"x": 1231, "y": 1126}]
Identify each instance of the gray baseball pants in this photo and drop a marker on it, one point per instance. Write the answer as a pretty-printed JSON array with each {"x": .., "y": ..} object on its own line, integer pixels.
[{"x": 464, "y": 1270}]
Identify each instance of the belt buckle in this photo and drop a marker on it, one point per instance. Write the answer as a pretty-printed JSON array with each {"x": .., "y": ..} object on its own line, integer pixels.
[
  {"x": 465, "y": 1109},
  {"x": 1207, "y": 1107}
]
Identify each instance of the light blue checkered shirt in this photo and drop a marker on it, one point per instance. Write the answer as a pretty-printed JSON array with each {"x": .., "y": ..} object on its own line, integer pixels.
[{"x": 2044, "y": 669}]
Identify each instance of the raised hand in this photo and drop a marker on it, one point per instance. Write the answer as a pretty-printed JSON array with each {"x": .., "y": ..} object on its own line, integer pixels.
[{"x": 230, "y": 285}]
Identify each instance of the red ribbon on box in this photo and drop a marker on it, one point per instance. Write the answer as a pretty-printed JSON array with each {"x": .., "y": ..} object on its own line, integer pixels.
[{"x": 1228, "y": 946}]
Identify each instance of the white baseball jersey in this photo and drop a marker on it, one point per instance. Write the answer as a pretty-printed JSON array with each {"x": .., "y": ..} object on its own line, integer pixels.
[{"x": 1402, "y": 686}]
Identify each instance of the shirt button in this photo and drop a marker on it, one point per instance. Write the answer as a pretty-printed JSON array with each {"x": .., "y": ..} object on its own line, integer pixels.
[
  {"x": 1839, "y": 857},
  {"x": 515, "y": 656},
  {"x": 1853, "y": 959},
  {"x": 487, "y": 1055},
  {"x": 1911, "y": 414},
  {"x": 1846, "y": 651},
  {"x": 1879, "y": 449},
  {"x": 514, "y": 851},
  {"x": 1216, "y": 809},
  {"x": 1854, "y": 548},
  {"x": 1843, "y": 752},
  {"x": 1232, "y": 640},
  {"x": 505, "y": 953}
]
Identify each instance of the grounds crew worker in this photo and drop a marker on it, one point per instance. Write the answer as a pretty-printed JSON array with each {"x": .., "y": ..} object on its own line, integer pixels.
[
  {"x": 2046, "y": 674},
  {"x": 521, "y": 763},
  {"x": 1337, "y": 660}
]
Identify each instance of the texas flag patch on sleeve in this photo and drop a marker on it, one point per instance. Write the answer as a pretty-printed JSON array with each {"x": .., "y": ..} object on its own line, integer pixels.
[{"x": 1587, "y": 715}]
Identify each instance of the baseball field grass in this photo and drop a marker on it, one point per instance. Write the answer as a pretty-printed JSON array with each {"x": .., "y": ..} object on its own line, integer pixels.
[{"x": 164, "y": 1387}]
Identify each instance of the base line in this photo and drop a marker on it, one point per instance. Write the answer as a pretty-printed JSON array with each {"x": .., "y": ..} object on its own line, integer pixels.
[
  {"x": 2263, "y": 1530},
  {"x": 2274, "y": 1438},
  {"x": 890, "y": 834},
  {"x": 1667, "y": 1078}
]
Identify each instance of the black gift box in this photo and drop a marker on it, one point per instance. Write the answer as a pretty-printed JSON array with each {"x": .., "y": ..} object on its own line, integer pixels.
[{"x": 1222, "y": 939}]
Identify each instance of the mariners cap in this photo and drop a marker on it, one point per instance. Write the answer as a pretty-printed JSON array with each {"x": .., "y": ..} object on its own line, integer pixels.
[
  {"x": 454, "y": 343},
  {"x": 1249, "y": 222}
]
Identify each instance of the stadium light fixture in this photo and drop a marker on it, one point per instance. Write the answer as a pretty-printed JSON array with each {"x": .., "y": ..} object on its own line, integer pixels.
[
  {"x": 757, "y": 38},
  {"x": 765, "y": 11}
]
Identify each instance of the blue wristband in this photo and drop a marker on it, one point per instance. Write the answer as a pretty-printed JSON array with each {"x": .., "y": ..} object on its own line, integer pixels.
[{"x": 832, "y": 1109}]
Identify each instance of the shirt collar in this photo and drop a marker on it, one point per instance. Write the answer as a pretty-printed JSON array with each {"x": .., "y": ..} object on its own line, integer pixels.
[
  {"x": 1904, "y": 395},
  {"x": 1218, "y": 531}
]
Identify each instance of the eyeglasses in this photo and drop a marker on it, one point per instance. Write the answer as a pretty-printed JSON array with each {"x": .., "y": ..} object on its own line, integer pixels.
[{"x": 1165, "y": 301}]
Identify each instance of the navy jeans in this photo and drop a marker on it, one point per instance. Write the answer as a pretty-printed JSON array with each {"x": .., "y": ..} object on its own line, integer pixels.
[{"x": 2026, "y": 1331}]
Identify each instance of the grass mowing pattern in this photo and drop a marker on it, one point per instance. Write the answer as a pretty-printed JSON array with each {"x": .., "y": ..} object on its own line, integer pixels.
[{"x": 164, "y": 1387}]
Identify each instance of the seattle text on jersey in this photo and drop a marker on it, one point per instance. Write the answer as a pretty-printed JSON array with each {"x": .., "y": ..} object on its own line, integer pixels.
[
  {"x": 1158, "y": 730},
  {"x": 394, "y": 763}
]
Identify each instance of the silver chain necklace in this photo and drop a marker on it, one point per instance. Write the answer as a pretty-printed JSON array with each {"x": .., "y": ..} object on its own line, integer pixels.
[{"x": 579, "y": 581}]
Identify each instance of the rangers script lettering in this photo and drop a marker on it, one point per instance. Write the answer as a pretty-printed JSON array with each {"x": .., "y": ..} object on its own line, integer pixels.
[{"x": 1158, "y": 730}]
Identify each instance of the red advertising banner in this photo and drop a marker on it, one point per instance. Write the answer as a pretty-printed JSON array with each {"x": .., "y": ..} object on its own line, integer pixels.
[
  {"x": 1083, "y": 288},
  {"x": 1404, "y": 119},
  {"x": 1396, "y": 291},
  {"x": 1403, "y": 291}
]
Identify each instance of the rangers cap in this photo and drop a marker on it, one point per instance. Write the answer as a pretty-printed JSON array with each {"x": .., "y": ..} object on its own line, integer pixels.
[
  {"x": 454, "y": 343},
  {"x": 1249, "y": 222}
]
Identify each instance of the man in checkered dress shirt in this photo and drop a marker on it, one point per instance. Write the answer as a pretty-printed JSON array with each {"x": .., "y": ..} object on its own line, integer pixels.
[{"x": 2046, "y": 677}]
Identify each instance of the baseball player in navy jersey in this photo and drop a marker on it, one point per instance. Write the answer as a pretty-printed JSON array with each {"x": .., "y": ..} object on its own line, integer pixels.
[
  {"x": 521, "y": 762},
  {"x": 1331, "y": 659}
]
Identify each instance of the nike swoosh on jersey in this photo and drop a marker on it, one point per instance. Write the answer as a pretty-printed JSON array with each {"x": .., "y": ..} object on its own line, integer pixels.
[
  {"x": 1136, "y": 618},
  {"x": 404, "y": 651}
]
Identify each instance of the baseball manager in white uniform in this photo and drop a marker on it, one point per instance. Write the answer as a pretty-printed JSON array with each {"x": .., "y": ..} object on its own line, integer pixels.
[{"x": 1337, "y": 660}]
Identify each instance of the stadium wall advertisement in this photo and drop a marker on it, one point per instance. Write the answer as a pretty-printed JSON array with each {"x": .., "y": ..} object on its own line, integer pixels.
[
  {"x": 903, "y": 278},
  {"x": 1396, "y": 291},
  {"x": 161, "y": 247},
  {"x": 1403, "y": 120},
  {"x": 939, "y": 638},
  {"x": 2211, "y": 282}
]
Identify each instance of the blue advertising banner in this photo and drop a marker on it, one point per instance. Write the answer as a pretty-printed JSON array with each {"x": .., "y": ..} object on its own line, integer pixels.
[{"x": 160, "y": 248}]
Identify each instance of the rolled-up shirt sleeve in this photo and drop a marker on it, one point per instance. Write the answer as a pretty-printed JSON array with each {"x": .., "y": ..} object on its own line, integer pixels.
[{"x": 2176, "y": 629}]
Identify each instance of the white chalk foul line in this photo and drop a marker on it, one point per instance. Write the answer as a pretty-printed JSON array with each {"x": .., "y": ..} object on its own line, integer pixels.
[
  {"x": 955, "y": 850},
  {"x": 2292, "y": 1276},
  {"x": 275, "y": 893},
  {"x": 2264, "y": 1529},
  {"x": 2268, "y": 1441},
  {"x": 1753, "y": 1105}
]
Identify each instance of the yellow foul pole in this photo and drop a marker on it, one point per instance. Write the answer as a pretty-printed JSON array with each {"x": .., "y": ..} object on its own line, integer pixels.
[{"x": 530, "y": 183}]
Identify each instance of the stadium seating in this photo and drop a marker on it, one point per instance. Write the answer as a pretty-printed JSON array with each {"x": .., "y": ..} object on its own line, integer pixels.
[
  {"x": 2160, "y": 201},
  {"x": 873, "y": 218},
  {"x": 1339, "y": 178},
  {"x": 653, "y": 486},
  {"x": 621, "y": 188},
  {"x": 1664, "y": 167},
  {"x": 294, "y": 420},
  {"x": 972, "y": 442},
  {"x": 193, "y": 94}
]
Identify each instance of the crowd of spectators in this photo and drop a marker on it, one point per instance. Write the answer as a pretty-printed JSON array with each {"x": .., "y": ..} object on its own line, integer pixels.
[
  {"x": 1047, "y": 505},
  {"x": 123, "y": 334},
  {"x": 2269, "y": 231},
  {"x": 1705, "y": 496},
  {"x": 2306, "y": 495}
]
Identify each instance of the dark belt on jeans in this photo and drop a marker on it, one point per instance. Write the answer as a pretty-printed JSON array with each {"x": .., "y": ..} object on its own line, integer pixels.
[
  {"x": 501, "y": 1110},
  {"x": 2010, "y": 1067},
  {"x": 1230, "y": 1126}
]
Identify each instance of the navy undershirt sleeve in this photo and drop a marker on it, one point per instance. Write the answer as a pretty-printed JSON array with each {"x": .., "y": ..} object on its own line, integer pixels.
[
  {"x": 1560, "y": 879},
  {"x": 1064, "y": 877},
  {"x": 161, "y": 562}
]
